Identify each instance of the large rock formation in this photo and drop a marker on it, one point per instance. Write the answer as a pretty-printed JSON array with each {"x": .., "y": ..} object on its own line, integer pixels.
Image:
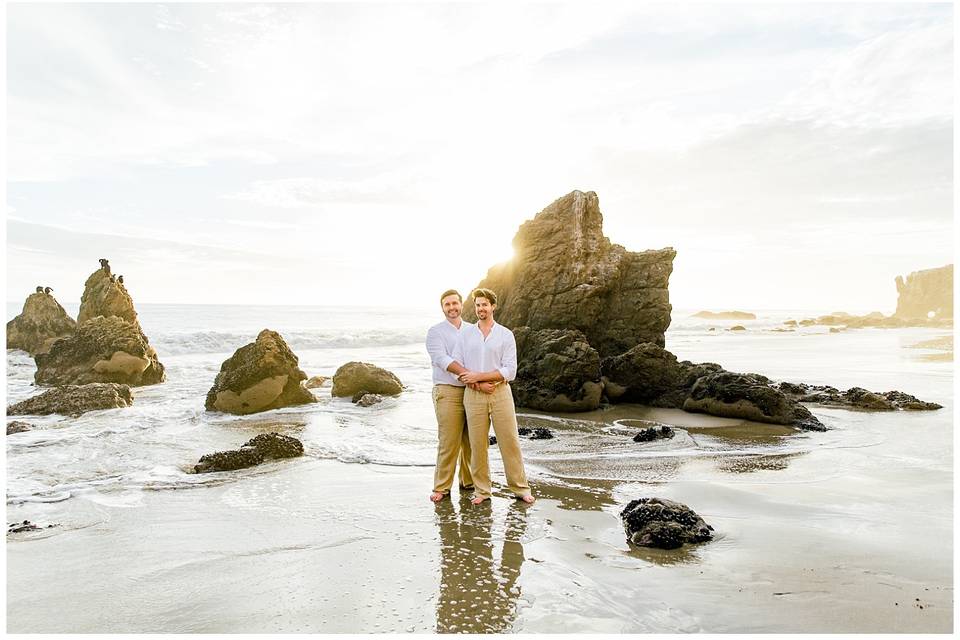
[
  {"x": 104, "y": 295},
  {"x": 557, "y": 371},
  {"x": 565, "y": 274},
  {"x": 39, "y": 325},
  {"x": 589, "y": 318},
  {"x": 926, "y": 294},
  {"x": 361, "y": 378},
  {"x": 662, "y": 523},
  {"x": 74, "y": 400},
  {"x": 108, "y": 346},
  {"x": 102, "y": 350},
  {"x": 260, "y": 376}
]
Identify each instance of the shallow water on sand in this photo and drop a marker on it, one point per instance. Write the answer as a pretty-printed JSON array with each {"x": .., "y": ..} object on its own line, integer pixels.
[{"x": 835, "y": 531}]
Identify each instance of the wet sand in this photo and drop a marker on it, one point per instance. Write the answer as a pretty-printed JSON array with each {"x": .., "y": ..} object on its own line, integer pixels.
[
  {"x": 942, "y": 346},
  {"x": 318, "y": 546}
]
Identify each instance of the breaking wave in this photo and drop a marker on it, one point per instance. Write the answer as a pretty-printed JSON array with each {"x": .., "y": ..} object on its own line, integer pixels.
[{"x": 227, "y": 342}]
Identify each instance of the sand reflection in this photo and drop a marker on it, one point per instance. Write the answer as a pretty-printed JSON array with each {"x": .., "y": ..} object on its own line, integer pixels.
[{"x": 481, "y": 559}]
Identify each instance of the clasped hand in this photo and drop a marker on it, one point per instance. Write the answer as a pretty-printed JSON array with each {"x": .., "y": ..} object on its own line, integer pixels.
[{"x": 472, "y": 380}]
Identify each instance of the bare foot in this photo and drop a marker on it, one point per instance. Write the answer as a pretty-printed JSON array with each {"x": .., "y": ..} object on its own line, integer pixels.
[
  {"x": 478, "y": 500},
  {"x": 527, "y": 499},
  {"x": 436, "y": 496}
]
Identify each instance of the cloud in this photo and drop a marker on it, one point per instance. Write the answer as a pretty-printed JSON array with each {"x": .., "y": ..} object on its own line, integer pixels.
[{"x": 310, "y": 192}]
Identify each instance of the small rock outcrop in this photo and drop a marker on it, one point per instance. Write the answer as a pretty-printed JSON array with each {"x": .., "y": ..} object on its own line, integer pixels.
[
  {"x": 260, "y": 376},
  {"x": 663, "y": 432},
  {"x": 102, "y": 350},
  {"x": 17, "y": 426},
  {"x": 316, "y": 382},
  {"x": 74, "y": 400},
  {"x": 229, "y": 460},
  {"x": 748, "y": 396},
  {"x": 856, "y": 398},
  {"x": 26, "y": 525},
  {"x": 364, "y": 399},
  {"x": 356, "y": 377},
  {"x": 926, "y": 294},
  {"x": 648, "y": 374},
  {"x": 274, "y": 445},
  {"x": 557, "y": 371},
  {"x": 536, "y": 433},
  {"x": 662, "y": 523},
  {"x": 725, "y": 315},
  {"x": 265, "y": 446},
  {"x": 42, "y": 322},
  {"x": 565, "y": 274}
]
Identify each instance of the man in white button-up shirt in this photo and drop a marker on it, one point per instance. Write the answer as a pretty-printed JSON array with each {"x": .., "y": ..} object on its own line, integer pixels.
[
  {"x": 487, "y": 352},
  {"x": 453, "y": 437}
]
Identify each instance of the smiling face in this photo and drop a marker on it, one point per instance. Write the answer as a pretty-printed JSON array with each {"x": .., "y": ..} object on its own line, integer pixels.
[
  {"x": 451, "y": 306},
  {"x": 483, "y": 308}
]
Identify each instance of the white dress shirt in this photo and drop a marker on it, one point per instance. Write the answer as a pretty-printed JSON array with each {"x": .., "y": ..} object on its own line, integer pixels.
[
  {"x": 441, "y": 340},
  {"x": 497, "y": 351}
]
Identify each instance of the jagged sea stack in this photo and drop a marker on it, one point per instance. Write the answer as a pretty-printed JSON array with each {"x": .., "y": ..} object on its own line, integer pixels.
[
  {"x": 926, "y": 295},
  {"x": 108, "y": 346},
  {"x": 41, "y": 323},
  {"x": 260, "y": 376},
  {"x": 103, "y": 296},
  {"x": 565, "y": 274}
]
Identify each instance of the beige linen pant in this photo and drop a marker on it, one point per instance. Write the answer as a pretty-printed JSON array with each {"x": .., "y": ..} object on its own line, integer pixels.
[
  {"x": 498, "y": 406},
  {"x": 454, "y": 440}
]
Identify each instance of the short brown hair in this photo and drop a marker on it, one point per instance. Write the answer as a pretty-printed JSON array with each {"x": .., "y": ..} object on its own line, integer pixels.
[
  {"x": 450, "y": 292},
  {"x": 484, "y": 293}
]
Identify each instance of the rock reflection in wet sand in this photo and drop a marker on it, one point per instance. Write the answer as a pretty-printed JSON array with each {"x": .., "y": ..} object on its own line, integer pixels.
[{"x": 478, "y": 586}]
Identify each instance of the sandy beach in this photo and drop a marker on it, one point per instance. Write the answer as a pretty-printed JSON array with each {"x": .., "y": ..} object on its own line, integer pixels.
[
  {"x": 848, "y": 530},
  {"x": 316, "y": 545},
  {"x": 321, "y": 546}
]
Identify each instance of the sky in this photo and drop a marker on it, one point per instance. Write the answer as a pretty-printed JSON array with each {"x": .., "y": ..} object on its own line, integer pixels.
[{"x": 795, "y": 156}]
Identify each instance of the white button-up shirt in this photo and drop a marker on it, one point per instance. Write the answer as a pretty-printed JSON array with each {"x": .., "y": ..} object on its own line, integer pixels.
[
  {"x": 441, "y": 340},
  {"x": 497, "y": 351}
]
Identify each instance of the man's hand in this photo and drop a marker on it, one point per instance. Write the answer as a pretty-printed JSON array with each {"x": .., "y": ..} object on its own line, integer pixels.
[
  {"x": 486, "y": 387},
  {"x": 469, "y": 377}
]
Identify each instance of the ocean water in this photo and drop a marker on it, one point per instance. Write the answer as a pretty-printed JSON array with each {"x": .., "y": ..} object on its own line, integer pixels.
[{"x": 113, "y": 456}]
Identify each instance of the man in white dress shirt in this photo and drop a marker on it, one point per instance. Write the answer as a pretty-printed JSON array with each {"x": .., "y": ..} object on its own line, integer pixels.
[
  {"x": 487, "y": 353},
  {"x": 454, "y": 439}
]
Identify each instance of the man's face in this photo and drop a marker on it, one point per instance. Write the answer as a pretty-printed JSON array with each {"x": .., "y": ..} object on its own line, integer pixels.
[
  {"x": 451, "y": 307},
  {"x": 483, "y": 308}
]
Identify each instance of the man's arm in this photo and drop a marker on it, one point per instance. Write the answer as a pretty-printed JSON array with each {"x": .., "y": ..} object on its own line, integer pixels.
[
  {"x": 453, "y": 364},
  {"x": 481, "y": 376},
  {"x": 438, "y": 353},
  {"x": 508, "y": 363}
]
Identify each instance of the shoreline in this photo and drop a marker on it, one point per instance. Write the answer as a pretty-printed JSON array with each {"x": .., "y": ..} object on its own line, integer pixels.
[{"x": 313, "y": 546}]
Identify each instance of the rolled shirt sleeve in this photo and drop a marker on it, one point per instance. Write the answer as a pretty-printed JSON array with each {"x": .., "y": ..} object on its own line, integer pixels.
[
  {"x": 457, "y": 352},
  {"x": 508, "y": 368},
  {"x": 438, "y": 353}
]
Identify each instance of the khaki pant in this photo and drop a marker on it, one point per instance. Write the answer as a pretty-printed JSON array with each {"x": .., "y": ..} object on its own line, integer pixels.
[
  {"x": 481, "y": 408},
  {"x": 454, "y": 440}
]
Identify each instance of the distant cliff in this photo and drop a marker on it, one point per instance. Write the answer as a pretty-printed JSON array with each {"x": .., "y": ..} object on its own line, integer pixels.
[{"x": 926, "y": 294}]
